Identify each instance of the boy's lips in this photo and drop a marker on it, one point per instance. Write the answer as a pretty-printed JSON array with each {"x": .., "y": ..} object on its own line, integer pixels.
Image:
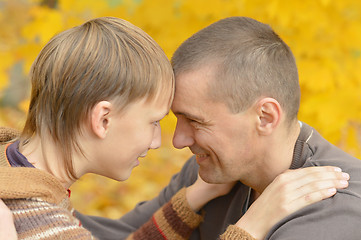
[{"x": 143, "y": 155}]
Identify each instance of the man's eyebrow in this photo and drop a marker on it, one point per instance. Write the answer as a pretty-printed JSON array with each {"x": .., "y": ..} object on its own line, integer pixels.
[{"x": 190, "y": 116}]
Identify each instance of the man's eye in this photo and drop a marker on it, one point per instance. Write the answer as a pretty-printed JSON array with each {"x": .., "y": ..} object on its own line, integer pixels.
[{"x": 194, "y": 122}]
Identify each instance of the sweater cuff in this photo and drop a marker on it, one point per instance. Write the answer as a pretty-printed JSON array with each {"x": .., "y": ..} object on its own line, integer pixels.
[
  {"x": 176, "y": 220},
  {"x": 235, "y": 233},
  {"x": 184, "y": 210}
]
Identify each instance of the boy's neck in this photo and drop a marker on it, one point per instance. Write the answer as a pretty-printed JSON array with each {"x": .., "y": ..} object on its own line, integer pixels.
[{"x": 44, "y": 155}]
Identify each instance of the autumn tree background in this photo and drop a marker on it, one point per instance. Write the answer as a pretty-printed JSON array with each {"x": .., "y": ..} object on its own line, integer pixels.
[{"x": 325, "y": 36}]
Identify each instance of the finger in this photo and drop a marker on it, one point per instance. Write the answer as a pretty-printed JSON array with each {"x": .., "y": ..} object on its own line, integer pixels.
[
  {"x": 311, "y": 198},
  {"x": 3, "y": 207},
  {"x": 293, "y": 174},
  {"x": 308, "y": 182},
  {"x": 318, "y": 186},
  {"x": 296, "y": 179},
  {"x": 318, "y": 178}
]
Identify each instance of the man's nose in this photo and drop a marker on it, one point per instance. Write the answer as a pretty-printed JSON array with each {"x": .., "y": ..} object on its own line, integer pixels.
[{"x": 183, "y": 134}]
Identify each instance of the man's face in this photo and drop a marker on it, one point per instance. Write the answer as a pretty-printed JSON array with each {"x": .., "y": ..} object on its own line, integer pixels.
[{"x": 224, "y": 143}]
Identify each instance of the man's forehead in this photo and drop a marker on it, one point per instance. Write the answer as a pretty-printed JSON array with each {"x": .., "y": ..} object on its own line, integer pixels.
[
  {"x": 191, "y": 93},
  {"x": 190, "y": 108},
  {"x": 191, "y": 86}
]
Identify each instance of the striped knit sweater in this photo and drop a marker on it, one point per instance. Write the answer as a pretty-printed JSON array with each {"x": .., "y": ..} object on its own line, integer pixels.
[
  {"x": 42, "y": 209},
  {"x": 40, "y": 204}
]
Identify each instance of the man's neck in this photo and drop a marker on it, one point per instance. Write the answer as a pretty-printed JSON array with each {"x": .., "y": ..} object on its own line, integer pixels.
[{"x": 276, "y": 159}]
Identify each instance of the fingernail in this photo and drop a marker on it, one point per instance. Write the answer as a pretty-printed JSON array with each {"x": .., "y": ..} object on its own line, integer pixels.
[
  {"x": 332, "y": 190},
  {"x": 346, "y": 175},
  {"x": 337, "y": 169},
  {"x": 343, "y": 182}
]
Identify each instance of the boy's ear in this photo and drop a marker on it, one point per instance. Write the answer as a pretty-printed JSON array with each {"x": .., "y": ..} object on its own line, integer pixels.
[
  {"x": 269, "y": 114},
  {"x": 100, "y": 118}
]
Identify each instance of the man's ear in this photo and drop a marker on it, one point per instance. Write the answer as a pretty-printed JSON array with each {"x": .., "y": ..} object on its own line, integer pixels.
[
  {"x": 100, "y": 118},
  {"x": 269, "y": 113}
]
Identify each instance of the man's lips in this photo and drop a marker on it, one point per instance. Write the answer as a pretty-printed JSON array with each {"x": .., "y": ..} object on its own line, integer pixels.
[{"x": 201, "y": 157}]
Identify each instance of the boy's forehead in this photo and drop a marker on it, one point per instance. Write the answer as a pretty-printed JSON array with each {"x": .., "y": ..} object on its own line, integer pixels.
[{"x": 160, "y": 105}]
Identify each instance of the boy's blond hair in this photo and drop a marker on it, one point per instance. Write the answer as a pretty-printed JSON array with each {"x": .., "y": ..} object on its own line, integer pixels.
[{"x": 103, "y": 59}]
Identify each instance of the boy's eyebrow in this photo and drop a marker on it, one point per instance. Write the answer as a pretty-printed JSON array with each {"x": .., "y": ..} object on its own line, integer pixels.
[
  {"x": 163, "y": 116},
  {"x": 166, "y": 114}
]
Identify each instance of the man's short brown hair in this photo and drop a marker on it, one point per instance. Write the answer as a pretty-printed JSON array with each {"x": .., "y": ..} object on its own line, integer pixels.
[{"x": 250, "y": 59}]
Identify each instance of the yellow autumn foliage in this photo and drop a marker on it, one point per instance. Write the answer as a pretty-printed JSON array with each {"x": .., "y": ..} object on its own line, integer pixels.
[{"x": 325, "y": 36}]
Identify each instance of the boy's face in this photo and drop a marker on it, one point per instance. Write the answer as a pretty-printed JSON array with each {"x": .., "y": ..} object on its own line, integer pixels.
[{"x": 132, "y": 132}]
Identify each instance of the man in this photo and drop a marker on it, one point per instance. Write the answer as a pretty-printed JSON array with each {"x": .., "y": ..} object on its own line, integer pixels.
[{"x": 236, "y": 101}]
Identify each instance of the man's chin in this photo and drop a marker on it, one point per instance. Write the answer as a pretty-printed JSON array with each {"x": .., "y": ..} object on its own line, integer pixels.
[{"x": 210, "y": 177}]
